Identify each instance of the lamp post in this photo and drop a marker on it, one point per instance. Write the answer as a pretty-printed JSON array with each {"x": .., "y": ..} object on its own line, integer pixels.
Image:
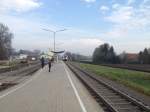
[{"x": 54, "y": 35}]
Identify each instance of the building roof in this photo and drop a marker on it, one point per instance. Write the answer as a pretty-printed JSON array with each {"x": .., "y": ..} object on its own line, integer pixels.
[{"x": 132, "y": 56}]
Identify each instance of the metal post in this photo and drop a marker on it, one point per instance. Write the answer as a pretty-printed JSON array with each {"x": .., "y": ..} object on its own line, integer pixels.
[
  {"x": 54, "y": 32},
  {"x": 54, "y": 41},
  {"x": 54, "y": 46}
]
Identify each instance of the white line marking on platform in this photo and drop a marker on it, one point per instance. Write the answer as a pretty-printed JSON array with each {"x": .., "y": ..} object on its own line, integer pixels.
[
  {"x": 75, "y": 90},
  {"x": 19, "y": 87}
]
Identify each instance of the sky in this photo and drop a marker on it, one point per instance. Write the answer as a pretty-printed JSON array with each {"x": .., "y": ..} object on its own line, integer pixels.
[{"x": 125, "y": 24}]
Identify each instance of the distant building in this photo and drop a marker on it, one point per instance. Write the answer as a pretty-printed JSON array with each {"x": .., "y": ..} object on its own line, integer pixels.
[
  {"x": 23, "y": 56},
  {"x": 129, "y": 57},
  {"x": 132, "y": 57}
]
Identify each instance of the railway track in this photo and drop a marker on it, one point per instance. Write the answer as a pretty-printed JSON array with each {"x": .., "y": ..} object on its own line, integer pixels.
[
  {"x": 136, "y": 67},
  {"x": 111, "y": 99},
  {"x": 17, "y": 67},
  {"x": 20, "y": 72},
  {"x": 9, "y": 79}
]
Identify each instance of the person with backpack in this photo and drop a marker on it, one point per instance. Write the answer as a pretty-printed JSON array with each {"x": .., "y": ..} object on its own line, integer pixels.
[
  {"x": 49, "y": 64},
  {"x": 42, "y": 62}
]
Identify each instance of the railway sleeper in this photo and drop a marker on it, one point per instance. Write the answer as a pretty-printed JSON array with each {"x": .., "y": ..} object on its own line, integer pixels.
[
  {"x": 126, "y": 106},
  {"x": 121, "y": 103},
  {"x": 118, "y": 101},
  {"x": 126, "y": 109},
  {"x": 87, "y": 78},
  {"x": 107, "y": 94}
]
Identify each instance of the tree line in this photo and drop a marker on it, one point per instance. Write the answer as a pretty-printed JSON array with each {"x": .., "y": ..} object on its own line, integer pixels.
[
  {"x": 144, "y": 56},
  {"x": 105, "y": 54}
]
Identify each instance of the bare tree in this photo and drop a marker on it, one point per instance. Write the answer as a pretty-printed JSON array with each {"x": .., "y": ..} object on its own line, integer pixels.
[{"x": 5, "y": 42}]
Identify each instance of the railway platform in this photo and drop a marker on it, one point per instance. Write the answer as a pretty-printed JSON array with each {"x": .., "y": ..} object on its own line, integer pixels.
[{"x": 57, "y": 91}]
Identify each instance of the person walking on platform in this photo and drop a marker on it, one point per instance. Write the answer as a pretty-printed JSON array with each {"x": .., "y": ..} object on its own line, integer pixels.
[
  {"x": 49, "y": 64},
  {"x": 42, "y": 62}
]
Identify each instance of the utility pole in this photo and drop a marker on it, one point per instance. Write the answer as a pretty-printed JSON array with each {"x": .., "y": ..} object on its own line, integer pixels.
[{"x": 54, "y": 35}]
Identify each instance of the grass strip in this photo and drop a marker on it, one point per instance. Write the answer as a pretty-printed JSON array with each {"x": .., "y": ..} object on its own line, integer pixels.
[{"x": 139, "y": 81}]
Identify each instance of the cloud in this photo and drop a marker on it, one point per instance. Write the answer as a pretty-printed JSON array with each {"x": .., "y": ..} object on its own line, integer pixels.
[
  {"x": 89, "y": 1},
  {"x": 121, "y": 15},
  {"x": 115, "y": 6},
  {"x": 131, "y": 2},
  {"x": 18, "y": 5},
  {"x": 104, "y": 9},
  {"x": 146, "y": 1},
  {"x": 28, "y": 34},
  {"x": 126, "y": 18},
  {"x": 128, "y": 46},
  {"x": 82, "y": 46},
  {"x": 117, "y": 31}
]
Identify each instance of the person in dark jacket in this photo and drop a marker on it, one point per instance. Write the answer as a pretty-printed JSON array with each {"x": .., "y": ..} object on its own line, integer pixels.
[
  {"x": 49, "y": 64},
  {"x": 42, "y": 62}
]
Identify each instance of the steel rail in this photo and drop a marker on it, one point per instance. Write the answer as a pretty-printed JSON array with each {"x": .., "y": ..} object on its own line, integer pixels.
[
  {"x": 111, "y": 105},
  {"x": 9, "y": 79}
]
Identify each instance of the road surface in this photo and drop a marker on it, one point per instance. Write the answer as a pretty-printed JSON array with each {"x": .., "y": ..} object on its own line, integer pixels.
[{"x": 57, "y": 91}]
